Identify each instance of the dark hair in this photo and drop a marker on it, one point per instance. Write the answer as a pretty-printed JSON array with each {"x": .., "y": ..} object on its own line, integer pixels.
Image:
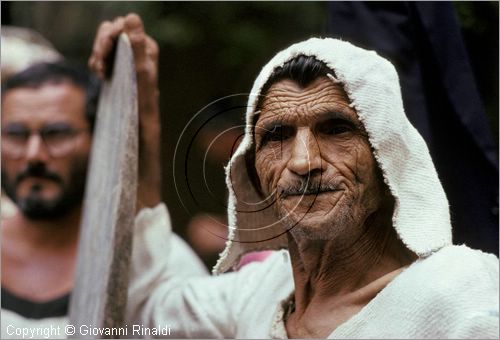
[
  {"x": 54, "y": 72},
  {"x": 303, "y": 70}
]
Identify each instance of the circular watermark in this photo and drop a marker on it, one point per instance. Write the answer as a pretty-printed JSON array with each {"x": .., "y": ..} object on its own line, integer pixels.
[{"x": 208, "y": 141}]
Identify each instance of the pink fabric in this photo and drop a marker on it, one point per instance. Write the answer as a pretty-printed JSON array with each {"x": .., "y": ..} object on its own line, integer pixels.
[{"x": 256, "y": 256}]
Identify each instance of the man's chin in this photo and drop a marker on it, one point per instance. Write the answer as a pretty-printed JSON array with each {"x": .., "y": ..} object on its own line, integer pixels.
[
  {"x": 38, "y": 207},
  {"x": 309, "y": 232},
  {"x": 304, "y": 224},
  {"x": 47, "y": 198},
  {"x": 316, "y": 224}
]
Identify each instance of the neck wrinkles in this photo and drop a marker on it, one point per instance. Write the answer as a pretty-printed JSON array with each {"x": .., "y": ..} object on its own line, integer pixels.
[{"x": 336, "y": 269}]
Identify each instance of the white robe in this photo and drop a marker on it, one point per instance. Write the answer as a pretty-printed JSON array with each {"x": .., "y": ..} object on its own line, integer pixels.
[{"x": 452, "y": 293}]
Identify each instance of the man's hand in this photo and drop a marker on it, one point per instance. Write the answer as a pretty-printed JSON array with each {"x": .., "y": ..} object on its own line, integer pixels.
[{"x": 145, "y": 51}]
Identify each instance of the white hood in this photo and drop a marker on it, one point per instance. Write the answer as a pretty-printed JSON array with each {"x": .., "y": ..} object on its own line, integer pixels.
[{"x": 421, "y": 214}]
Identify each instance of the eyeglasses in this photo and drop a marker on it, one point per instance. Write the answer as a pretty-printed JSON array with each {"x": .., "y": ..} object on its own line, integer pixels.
[{"x": 59, "y": 139}]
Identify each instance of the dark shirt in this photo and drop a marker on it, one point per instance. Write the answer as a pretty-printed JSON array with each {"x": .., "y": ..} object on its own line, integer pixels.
[{"x": 35, "y": 310}]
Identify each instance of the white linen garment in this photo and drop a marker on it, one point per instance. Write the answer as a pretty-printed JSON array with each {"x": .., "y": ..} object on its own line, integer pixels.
[{"x": 450, "y": 291}]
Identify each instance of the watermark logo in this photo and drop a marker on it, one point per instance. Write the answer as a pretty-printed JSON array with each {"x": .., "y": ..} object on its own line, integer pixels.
[{"x": 206, "y": 144}]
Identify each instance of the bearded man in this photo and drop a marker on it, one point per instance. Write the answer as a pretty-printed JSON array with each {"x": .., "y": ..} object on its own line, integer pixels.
[
  {"x": 48, "y": 113},
  {"x": 331, "y": 172},
  {"x": 47, "y": 119}
]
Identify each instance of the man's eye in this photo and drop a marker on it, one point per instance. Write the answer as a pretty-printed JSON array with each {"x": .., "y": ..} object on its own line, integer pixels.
[
  {"x": 334, "y": 127},
  {"x": 53, "y": 134},
  {"x": 17, "y": 134},
  {"x": 278, "y": 133},
  {"x": 340, "y": 129}
]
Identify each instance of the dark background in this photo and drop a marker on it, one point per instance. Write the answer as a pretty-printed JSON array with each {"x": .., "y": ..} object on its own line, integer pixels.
[{"x": 209, "y": 50}]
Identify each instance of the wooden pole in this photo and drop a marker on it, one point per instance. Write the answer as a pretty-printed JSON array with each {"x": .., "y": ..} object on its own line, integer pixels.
[{"x": 100, "y": 294}]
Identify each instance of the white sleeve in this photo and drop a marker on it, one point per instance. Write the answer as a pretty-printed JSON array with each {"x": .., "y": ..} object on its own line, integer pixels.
[
  {"x": 161, "y": 263},
  {"x": 169, "y": 287}
]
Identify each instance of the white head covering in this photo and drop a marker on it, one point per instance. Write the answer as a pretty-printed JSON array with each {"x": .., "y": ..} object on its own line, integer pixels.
[
  {"x": 421, "y": 213},
  {"x": 23, "y": 47}
]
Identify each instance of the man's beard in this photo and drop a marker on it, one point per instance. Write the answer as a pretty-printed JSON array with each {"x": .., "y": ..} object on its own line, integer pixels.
[
  {"x": 327, "y": 228},
  {"x": 33, "y": 205}
]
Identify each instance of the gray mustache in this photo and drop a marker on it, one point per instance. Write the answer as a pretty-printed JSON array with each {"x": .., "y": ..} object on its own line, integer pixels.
[{"x": 308, "y": 188}]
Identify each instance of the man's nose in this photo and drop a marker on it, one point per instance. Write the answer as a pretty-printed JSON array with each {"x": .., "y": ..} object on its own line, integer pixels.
[
  {"x": 36, "y": 150},
  {"x": 306, "y": 154}
]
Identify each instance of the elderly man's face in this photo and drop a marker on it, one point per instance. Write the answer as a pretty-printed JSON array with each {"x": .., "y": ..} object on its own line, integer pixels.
[{"x": 313, "y": 155}]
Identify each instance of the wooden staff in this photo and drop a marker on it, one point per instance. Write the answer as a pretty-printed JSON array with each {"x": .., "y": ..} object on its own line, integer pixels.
[{"x": 100, "y": 294}]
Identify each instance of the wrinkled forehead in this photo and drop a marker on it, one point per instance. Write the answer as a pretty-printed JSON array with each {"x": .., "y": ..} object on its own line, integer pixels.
[{"x": 286, "y": 99}]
